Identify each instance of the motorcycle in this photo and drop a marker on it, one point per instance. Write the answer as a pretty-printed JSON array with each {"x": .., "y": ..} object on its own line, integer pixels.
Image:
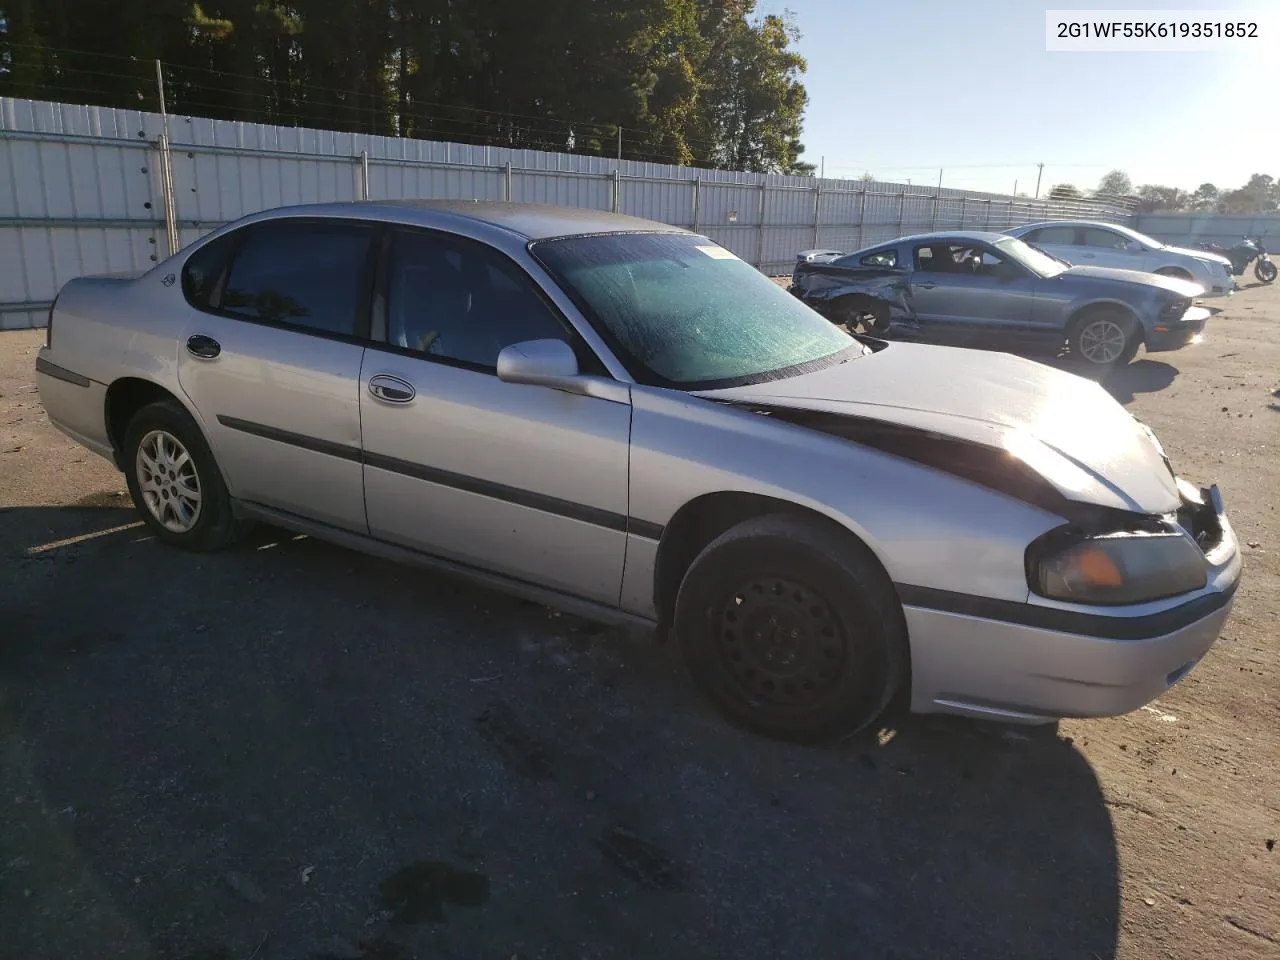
[{"x": 1246, "y": 251}]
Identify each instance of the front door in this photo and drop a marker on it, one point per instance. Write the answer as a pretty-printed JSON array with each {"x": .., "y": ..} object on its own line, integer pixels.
[
  {"x": 270, "y": 357},
  {"x": 523, "y": 480},
  {"x": 967, "y": 294}
]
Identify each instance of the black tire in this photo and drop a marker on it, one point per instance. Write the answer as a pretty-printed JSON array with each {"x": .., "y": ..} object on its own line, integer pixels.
[
  {"x": 1082, "y": 339},
  {"x": 212, "y": 525},
  {"x": 1265, "y": 271},
  {"x": 856, "y": 312},
  {"x": 830, "y": 650}
]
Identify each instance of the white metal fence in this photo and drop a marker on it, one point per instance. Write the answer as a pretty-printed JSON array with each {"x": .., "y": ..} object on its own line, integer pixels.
[
  {"x": 1192, "y": 229},
  {"x": 96, "y": 190}
]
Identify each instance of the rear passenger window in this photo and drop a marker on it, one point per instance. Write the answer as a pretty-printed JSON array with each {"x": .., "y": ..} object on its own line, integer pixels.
[
  {"x": 203, "y": 272},
  {"x": 459, "y": 300},
  {"x": 311, "y": 274}
]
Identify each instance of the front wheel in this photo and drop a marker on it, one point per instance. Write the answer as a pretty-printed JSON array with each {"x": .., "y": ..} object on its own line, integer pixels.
[
  {"x": 1265, "y": 271},
  {"x": 792, "y": 629},
  {"x": 1103, "y": 339},
  {"x": 175, "y": 482}
]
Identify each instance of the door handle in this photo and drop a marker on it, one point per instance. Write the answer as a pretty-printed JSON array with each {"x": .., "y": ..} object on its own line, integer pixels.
[
  {"x": 202, "y": 347},
  {"x": 926, "y": 286},
  {"x": 391, "y": 389}
]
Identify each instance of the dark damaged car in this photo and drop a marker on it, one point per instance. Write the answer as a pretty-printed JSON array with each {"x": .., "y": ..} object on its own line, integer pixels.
[{"x": 991, "y": 291}]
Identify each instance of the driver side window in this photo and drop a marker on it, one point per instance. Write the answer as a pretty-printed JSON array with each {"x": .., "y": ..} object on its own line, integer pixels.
[{"x": 457, "y": 300}]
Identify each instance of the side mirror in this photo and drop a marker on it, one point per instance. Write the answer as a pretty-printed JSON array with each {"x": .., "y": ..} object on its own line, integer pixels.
[
  {"x": 552, "y": 363},
  {"x": 545, "y": 363}
]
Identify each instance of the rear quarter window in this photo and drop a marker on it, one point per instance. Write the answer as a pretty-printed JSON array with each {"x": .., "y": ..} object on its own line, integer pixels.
[{"x": 204, "y": 270}]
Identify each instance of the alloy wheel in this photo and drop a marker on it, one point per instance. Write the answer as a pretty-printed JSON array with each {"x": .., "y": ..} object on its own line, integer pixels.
[
  {"x": 1102, "y": 341},
  {"x": 168, "y": 481}
]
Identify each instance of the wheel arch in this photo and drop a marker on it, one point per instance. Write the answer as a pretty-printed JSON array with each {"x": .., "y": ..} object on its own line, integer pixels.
[
  {"x": 125, "y": 397},
  {"x": 705, "y": 517}
]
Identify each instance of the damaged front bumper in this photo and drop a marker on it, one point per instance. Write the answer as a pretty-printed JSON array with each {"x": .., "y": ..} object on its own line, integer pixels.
[
  {"x": 1172, "y": 335},
  {"x": 1040, "y": 661}
]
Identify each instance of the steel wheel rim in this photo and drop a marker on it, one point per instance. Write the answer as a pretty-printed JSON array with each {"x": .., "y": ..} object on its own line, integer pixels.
[
  {"x": 780, "y": 642},
  {"x": 168, "y": 481},
  {"x": 1102, "y": 341}
]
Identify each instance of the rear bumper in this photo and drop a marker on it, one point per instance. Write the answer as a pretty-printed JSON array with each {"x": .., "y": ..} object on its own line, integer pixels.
[
  {"x": 75, "y": 404},
  {"x": 1016, "y": 671}
]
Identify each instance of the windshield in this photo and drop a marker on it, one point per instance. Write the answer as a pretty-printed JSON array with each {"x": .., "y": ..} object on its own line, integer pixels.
[
  {"x": 683, "y": 311},
  {"x": 1037, "y": 261}
]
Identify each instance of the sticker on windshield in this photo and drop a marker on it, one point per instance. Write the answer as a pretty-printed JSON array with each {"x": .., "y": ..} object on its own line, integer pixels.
[{"x": 716, "y": 253}]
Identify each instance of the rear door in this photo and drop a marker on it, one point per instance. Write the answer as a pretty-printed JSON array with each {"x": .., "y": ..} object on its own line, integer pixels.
[
  {"x": 524, "y": 480},
  {"x": 270, "y": 357},
  {"x": 1062, "y": 241},
  {"x": 968, "y": 294}
]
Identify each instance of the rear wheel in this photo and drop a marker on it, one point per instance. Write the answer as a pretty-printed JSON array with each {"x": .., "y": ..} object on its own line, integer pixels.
[
  {"x": 792, "y": 629},
  {"x": 1104, "y": 338},
  {"x": 175, "y": 482}
]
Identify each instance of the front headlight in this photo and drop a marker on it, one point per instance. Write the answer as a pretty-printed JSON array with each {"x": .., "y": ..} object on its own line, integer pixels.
[{"x": 1120, "y": 568}]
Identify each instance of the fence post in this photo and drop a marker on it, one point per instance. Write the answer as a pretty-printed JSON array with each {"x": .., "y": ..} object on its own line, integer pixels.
[
  {"x": 902, "y": 206},
  {"x": 862, "y": 217},
  {"x": 166, "y": 195},
  {"x": 987, "y": 225},
  {"x": 697, "y": 200},
  {"x": 617, "y": 184},
  {"x": 760, "y": 227},
  {"x": 506, "y": 181},
  {"x": 1009, "y": 214},
  {"x": 964, "y": 203},
  {"x": 364, "y": 174},
  {"x": 817, "y": 214},
  {"x": 933, "y": 225}
]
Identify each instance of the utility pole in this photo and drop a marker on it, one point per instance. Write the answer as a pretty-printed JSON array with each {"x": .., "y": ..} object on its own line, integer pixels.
[
  {"x": 939, "y": 178},
  {"x": 1039, "y": 174},
  {"x": 1015, "y": 186},
  {"x": 822, "y": 167}
]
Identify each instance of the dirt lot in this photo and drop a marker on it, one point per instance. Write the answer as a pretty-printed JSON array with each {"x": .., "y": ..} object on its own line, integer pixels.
[{"x": 289, "y": 751}]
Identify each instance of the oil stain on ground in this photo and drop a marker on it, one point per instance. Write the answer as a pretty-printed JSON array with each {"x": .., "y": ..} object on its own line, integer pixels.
[
  {"x": 418, "y": 892},
  {"x": 641, "y": 860},
  {"x": 503, "y": 731}
]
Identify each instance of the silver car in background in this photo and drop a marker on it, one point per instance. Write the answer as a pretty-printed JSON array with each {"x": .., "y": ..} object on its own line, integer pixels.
[
  {"x": 1098, "y": 244},
  {"x": 625, "y": 420}
]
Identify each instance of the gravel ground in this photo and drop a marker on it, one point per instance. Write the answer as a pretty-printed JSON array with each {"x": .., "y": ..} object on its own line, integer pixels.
[{"x": 292, "y": 751}]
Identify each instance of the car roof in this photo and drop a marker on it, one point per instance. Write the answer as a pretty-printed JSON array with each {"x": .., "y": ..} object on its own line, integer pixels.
[
  {"x": 983, "y": 235},
  {"x": 532, "y": 221},
  {"x": 1067, "y": 223}
]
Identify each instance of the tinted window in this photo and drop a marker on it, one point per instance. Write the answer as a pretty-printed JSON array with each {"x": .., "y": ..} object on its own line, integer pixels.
[
  {"x": 1059, "y": 235},
  {"x": 308, "y": 273},
  {"x": 1104, "y": 238},
  {"x": 460, "y": 300},
  {"x": 681, "y": 310},
  {"x": 881, "y": 258},
  {"x": 203, "y": 271}
]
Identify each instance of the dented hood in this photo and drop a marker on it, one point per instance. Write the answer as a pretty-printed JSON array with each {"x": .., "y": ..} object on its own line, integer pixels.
[{"x": 1068, "y": 429}]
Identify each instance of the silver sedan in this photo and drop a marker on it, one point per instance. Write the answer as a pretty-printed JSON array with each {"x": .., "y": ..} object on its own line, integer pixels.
[{"x": 625, "y": 420}]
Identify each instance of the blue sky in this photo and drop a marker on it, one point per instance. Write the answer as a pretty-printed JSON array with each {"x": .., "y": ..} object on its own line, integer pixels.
[{"x": 902, "y": 88}]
